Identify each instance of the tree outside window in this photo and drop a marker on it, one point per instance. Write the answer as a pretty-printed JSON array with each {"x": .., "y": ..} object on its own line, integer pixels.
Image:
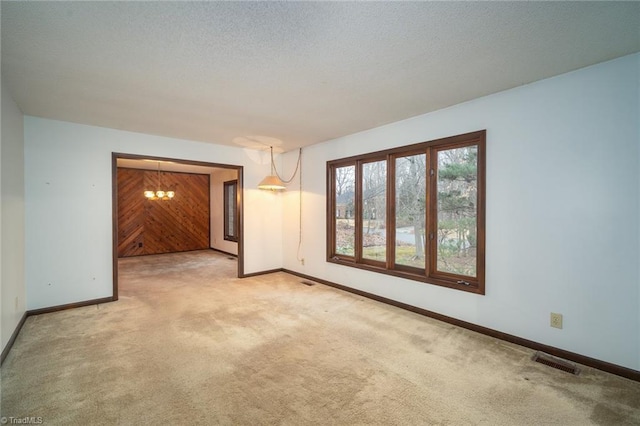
[{"x": 415, "y": 212}]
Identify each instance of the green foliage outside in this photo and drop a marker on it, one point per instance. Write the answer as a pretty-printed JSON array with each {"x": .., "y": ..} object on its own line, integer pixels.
[{"x": 457, "y": 203}]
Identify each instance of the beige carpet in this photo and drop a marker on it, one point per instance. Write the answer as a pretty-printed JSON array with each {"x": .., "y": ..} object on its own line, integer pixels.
[{"x": 189, "y": 344}]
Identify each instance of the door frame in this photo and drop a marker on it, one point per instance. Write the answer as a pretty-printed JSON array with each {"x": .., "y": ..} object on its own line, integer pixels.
[{"x": 114, "y": 191}]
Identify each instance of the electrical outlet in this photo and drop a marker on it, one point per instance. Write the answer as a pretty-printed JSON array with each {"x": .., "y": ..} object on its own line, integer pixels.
[
  {"x": 302, "y": 261},
  {"x": 556, "y": 320}
]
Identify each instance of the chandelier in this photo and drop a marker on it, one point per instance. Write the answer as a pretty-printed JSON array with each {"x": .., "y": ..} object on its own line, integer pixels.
[{"x": 159, "y": 194}]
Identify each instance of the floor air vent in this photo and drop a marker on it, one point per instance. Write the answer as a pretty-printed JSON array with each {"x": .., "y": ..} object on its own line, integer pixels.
[
  {"x": 557, "y": 363},
  {"x": 309, "y": 283}
]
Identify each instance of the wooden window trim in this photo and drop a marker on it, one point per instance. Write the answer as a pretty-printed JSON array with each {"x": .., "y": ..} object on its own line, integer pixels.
[
  {"x": 404, "y": 269},
  {"x": 331, "y": 210},
  {"x": 429, "y": 274},
  {"x": 359, "y": 219},
  {"x": 432, "y": 216},
  {"x": 230, "y": 184}
]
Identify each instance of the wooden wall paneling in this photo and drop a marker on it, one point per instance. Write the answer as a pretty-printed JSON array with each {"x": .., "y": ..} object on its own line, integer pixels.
[
  {"x": 181, "y": 224},
  {"x": 130, "y": 213},
  {"x": 196, "y": 220}
]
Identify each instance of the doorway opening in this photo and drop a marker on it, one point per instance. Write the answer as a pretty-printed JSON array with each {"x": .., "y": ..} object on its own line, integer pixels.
[{"x": 165, "y": 167}]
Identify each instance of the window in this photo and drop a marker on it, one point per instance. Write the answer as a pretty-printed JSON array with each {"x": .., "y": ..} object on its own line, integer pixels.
[
  {"x": 345, "y": 201},
  {"x": 416, "y": 212},
  {"x": 231, "y": 210}
]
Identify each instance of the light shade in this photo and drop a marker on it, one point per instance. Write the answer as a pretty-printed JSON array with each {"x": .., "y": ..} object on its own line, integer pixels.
[{"x": 271, "y": 182}]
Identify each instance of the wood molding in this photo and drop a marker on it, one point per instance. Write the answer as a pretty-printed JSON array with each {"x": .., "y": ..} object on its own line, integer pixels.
[
  {"x": 69, "y": 306},
  {"x": 13, "y": 338},
  {"x": 270, "y": 271},
  {"x": 114, "y": 224},
  {"x": 223, "y": 252},
  {"x": 560, "y": 353},
  {"x": 240, "y": 195}
]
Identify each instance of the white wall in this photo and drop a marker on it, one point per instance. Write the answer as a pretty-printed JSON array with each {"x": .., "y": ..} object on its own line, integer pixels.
[
  {"x": 218, "y": 177},
  {"x": 69, "y": 209},
  {"x": 12, "y": 230},
  {"x": 563, "y": 212}
]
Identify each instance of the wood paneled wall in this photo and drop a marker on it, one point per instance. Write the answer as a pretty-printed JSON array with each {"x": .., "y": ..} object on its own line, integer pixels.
[{"x": 153, "y": 227}]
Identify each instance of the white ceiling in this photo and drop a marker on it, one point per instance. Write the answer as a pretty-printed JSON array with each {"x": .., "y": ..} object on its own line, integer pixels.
[{"x": 295, "y": 72}]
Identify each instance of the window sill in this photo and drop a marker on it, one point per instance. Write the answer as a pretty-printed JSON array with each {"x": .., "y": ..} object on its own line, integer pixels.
[{"x": 471, "y": 288}]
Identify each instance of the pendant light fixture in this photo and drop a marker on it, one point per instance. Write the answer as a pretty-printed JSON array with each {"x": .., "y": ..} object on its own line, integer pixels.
[
  {"x": 274, "y": 182},
  {"x": 159, "y": 194}
]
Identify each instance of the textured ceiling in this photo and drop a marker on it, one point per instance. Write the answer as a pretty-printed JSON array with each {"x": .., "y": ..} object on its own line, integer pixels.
[{"x": 299, "y": 73}]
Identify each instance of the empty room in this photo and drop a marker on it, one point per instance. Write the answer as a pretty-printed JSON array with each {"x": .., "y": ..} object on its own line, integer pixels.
[{"x": 402, "y": 213}]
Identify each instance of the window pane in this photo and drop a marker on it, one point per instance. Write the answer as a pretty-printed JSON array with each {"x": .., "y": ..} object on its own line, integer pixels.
[
  {"x": 230, "y": 211},
  {"x": 457, "y": 215},
  {"x": 231, "y": 196},
  {"x": 374, "y": 208},
  {"x": 410, "y": 210},
  {"x": 345, "y": 193}
]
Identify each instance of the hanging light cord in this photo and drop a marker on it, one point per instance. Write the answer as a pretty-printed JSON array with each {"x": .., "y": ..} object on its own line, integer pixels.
[
  {"x": 274, "y": 168},
  {"x": 298, "y": 167}
]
